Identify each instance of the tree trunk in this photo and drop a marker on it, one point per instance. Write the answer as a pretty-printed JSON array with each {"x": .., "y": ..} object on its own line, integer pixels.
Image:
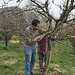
[
  {"x": 6, "y": 41},
  {"x": 73, "y": 44},
  {"x": 73, "y": 47},
  {"x": 74, "y": 51}
]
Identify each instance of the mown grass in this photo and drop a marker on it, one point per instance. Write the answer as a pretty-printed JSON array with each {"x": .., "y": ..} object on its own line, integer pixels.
[{"x": 12, "y": 59}]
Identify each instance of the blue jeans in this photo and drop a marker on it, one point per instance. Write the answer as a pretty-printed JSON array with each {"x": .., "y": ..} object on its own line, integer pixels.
[{"x": 30, "y": 58}]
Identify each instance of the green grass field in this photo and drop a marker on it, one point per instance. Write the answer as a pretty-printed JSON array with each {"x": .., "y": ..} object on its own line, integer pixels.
[{"x": 12, "y": 59}]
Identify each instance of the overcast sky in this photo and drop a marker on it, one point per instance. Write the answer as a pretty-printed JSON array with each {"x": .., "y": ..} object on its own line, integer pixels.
[
  {"x": 13, "y": 3},
  {"x": 55, "y": 11}
]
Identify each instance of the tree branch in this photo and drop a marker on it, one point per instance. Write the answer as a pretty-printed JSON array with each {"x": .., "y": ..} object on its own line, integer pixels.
[{"x": 43, "y": 9}]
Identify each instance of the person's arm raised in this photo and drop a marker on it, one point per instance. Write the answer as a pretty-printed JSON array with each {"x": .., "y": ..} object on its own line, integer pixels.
[
  {"x": 46, "y": 30},
  {"x": 35, "y": 39}
]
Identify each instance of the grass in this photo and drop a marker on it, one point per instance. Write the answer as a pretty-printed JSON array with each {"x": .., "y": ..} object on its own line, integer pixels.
[
  {"x": 12, "y": 59},
  {"x": 11, "y": 53},
  {"x": 64, "y": 57}
]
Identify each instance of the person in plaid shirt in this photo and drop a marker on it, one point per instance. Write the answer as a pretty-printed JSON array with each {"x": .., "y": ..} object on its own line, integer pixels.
[{"x": 42, "y": 49}]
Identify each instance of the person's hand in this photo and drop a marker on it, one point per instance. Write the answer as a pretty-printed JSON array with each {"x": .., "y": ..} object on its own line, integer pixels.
[{"x": 41, "y": 35}]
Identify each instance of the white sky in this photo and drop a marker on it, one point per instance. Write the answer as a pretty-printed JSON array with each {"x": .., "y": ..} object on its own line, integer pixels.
[
  {"x": 13, "y": 3},
  {"x": 55, "y": 11}
]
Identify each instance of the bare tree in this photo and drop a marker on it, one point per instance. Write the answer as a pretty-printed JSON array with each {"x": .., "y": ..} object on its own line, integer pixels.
[
  {"x": 12, "y": 23},
  {"x": 66, "y": 8},
  {"x": 43, "y": 8}
]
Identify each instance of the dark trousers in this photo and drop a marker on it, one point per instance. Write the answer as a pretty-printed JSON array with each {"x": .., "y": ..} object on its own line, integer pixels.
[{"x": 42, "y": 58}]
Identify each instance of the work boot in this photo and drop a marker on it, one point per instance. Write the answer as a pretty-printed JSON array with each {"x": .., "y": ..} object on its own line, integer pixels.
[{"x": 31, "y": 73}]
